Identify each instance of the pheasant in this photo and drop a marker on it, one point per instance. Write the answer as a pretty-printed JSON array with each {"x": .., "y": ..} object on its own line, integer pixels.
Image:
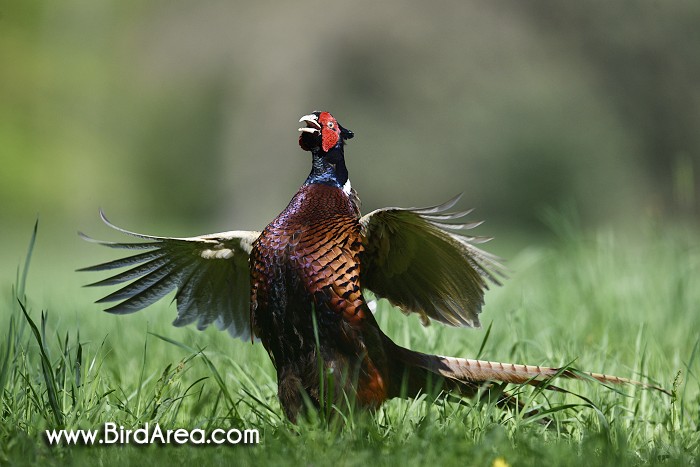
[{"x": 298, "y": 285}]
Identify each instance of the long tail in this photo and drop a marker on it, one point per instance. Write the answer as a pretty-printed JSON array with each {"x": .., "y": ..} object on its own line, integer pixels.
[
  {"x": 463, "y": 373},
  {"x": 481, "y": 370}
]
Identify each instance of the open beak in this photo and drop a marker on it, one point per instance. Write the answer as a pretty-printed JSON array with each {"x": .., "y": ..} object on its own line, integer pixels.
[{"x": 312, "y": 125}]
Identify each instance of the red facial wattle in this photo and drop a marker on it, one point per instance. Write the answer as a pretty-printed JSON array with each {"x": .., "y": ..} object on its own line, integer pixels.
[{"x": 330, "y": 131}]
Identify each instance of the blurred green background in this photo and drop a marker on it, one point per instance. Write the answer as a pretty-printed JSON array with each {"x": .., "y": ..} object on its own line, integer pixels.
[{"x": 180, "y": 118}]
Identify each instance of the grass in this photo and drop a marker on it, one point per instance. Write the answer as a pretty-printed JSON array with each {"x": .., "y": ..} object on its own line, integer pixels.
[{"x": 602, "y": 301}]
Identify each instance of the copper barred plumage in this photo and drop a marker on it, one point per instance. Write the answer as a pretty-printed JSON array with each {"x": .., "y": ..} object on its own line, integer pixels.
[{"x": 298, "y": 285}]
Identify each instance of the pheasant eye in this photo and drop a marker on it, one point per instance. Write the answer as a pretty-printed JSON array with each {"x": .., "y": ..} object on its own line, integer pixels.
[{"x": 330, "y": 124}]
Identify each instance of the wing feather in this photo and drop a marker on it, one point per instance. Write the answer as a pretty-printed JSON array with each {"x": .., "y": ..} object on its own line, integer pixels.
[
  {"x": 159, "y": 278},
  {"x": 209, "y": 272},
  {"x": 423, "y": 264},
  {"x": 123, "y": 262},
  {"x": 138, "y": 271}
]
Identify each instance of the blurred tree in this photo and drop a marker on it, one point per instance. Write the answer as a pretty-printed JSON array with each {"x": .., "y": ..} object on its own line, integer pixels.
[
  {"x": 187, "y": 111},
  {"x": 644, "y": 55}
]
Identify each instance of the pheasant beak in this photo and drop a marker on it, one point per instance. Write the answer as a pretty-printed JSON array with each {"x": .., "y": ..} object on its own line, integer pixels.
[{"x": 312, "y": 125}]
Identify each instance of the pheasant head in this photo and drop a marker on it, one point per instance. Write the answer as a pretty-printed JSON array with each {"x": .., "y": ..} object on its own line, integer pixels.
[
  {"x": 325, "y": 138},
  {"x": 322, "y": 132}
]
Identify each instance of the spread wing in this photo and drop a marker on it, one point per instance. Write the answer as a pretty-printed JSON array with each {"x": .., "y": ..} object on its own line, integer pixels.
[
  {"x": 422, "y": 263},
  {"x": 210, "y": 273}
]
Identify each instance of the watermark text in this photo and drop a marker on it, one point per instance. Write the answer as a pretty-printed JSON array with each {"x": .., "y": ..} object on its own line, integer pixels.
[{"x": 151, "y": 434}]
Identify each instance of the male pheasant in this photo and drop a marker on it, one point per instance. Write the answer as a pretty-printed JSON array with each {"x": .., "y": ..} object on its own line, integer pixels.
[{"x": 297, "y": 286}]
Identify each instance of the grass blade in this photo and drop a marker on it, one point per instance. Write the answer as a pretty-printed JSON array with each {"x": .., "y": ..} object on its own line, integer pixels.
[
  {"x": 484, "y": 340},
  {"x": 21, "y": 286},
  {"x": 46, "y": 369},
  {"x": 212, "y": 368},
  {"x": 8, "y": 353}
]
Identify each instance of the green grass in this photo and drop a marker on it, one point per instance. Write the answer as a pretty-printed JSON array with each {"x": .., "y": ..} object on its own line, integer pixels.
[{"x": 602, "y": 301}]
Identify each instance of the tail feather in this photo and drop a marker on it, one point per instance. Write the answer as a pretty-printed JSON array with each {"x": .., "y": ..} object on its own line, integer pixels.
[
  {"x": 482, "y": 370},
  {"x": 465, "y": 372}
]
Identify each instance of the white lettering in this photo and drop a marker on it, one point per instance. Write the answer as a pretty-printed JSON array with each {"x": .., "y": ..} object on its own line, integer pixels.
[
  {"x": 141, "y": 434},
  {"x": 253, "y": 434},
  {"x": 110, "y": 429},
  {"x": 113, "y": 434},
  {"x": 157, "y": 435},
  {"x": 215, "y": 436},
  {"x": 180, "y": 436},
  {"x": 197, "y": 436},
  {"x": 236, "y": 432}
]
